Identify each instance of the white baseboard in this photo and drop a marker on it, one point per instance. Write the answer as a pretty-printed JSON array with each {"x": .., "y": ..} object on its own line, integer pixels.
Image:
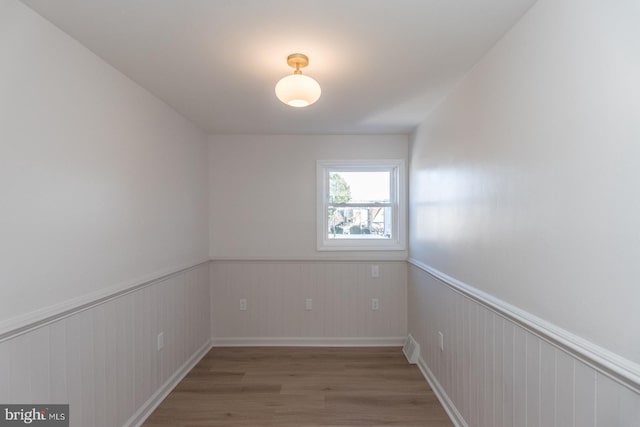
[
  {"x": 152, "y": 403},
  {"x": 447, "y": 403},
  {"x": 309, "y": 342}
]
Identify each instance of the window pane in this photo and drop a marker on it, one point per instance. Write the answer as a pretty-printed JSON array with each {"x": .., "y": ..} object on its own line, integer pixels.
[
  {"x": 359, "y": 222},
  {"x": 359, "y": 187}
]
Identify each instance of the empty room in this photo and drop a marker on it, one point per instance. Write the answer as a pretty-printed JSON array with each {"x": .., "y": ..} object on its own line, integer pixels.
[{"x": 320, "y": 213}]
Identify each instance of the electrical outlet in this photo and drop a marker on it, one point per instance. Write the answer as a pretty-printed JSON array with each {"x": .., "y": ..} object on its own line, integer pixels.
[
  {"x": 441, "y": 340},
  {"x": 375, "y": 271},
  {"x": 243, "y": 304},
  {"x": 375, "y": 304},
  {"x": 308, "y": 304},
  {"x": 160, "y": 341}
]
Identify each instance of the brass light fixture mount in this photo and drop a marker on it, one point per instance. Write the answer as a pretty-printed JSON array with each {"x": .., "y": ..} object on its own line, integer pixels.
[{"x": 297, "y": 61}]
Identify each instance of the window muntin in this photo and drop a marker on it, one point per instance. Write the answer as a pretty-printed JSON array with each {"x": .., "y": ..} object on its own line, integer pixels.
[{"x": 359, "y": 205}]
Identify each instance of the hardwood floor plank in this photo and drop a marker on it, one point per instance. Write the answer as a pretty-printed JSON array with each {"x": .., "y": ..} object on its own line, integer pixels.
[{"x": 301, "y": 387}]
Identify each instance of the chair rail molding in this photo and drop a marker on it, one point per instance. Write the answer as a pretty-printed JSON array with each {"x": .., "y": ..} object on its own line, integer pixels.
[
  {"x": 28, "y": 322},
  {"x": 608, "y": 363}
]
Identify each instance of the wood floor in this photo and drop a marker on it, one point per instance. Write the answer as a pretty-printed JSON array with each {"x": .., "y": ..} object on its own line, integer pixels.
[{"x": 302, "y": 387}]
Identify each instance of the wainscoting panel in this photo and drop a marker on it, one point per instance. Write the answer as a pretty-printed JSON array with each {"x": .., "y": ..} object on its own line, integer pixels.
[
  {"x": 494, "y": 372},
  {"x": 276, "y": 291},
  {"x": 103, "y": 360}
]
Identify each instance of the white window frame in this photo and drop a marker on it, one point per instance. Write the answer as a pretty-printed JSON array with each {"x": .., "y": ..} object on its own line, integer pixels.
[{"x": 398, "y": 205}]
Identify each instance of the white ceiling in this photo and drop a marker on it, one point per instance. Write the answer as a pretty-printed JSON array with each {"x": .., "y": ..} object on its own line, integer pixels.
[{"x": 382, "y": 64}]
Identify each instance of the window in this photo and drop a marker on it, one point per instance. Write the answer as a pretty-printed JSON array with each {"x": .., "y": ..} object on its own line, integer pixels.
[{"x": 361, "y": 205}]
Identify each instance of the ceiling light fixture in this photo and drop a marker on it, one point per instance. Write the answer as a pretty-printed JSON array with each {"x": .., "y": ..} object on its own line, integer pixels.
[{"x": 297, "y": 90}]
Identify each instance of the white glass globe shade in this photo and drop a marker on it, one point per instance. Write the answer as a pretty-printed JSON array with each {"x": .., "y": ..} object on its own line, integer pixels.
[{"x": 298, "y": 90}]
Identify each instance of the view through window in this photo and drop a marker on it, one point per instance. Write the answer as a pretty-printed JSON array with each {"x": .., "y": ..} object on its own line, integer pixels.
[{"x": 359, "y": 205}]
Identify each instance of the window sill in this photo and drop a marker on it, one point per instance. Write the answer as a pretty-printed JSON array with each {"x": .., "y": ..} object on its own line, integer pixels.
[{"x": 343, "y": 245}]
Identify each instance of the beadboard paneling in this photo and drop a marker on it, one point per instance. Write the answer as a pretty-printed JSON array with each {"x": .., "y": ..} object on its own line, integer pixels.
[
  {"x": 276, "y": 293},
  {"x": 495, "y": 373},
  {"x": 103, "y": 361}
]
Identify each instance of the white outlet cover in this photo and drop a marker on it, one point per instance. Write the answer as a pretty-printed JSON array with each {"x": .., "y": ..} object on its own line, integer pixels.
[
  {"x": 243, "y": 304},
  {"x": 308, "y": 304},
  {"x": 375, "y": 304},
  {"x": 160, "y": 341},
  {"x": 375, "y": 271}
]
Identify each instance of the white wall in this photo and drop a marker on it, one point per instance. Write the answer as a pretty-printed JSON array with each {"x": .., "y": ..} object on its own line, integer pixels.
[
  {"x": 524, "y": 182},
  {"x": 103, "y": 193},
  {"x": 263, "y": 238},
  {"x": 263, "y": 192},
  {"x": 104, "y": 361},
  {"x": 102, "y": 184},
  {"x": 524, "y": 223}
]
